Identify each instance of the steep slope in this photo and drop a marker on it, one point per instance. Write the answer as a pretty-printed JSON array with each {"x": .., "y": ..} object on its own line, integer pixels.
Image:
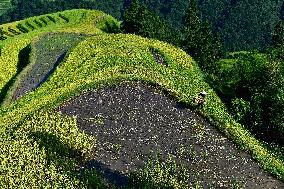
[
  {"x": 44, "y": 147},
  {"x": 133, "y": 122},
  {"x": 17, "y": 36},
  {"x": 47, "y": 52}
]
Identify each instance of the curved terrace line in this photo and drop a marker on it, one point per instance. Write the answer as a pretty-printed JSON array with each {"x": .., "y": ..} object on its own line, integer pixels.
[{"x": 44, "y": 60}]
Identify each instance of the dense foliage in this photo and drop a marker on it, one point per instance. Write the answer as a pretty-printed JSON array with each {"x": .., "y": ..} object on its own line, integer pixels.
[
  {"x": 278, "y": 36},
  {"x": 243, "y": 24},
  {"x": 49, "y": 147},
  {"x": 98, "y": 61},
  {"x": 26, "y": 8},
  {"x": 5, "y": 5},
  {"x": 198, "y": 39},
  {"x": 157, "y": 174},
  {"x": 138, "y": 19},
  {"x": 252, "y": 85},
  {"x": 195, "y": 37}
]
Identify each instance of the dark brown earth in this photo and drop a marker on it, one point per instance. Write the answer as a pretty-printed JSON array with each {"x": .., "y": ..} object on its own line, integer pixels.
[{"x": 132, "y": 120}]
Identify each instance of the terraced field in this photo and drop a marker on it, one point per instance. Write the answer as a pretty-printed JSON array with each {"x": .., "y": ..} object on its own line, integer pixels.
[
  {"x": 79, "y": 21},
  {"x": 46, "y": 53},
  {"x": 68, "y": 120}
]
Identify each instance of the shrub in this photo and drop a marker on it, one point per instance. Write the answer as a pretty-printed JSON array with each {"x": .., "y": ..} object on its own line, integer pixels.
[
  {"x": 252, "y": 85},
  {"x": 240, "y": 109},
  {"x": 43, "y": 20},
  {"x": 38, "y": 23},
  {"x": 159, "y": 174},
  {"x": 64, "y": 18},
  {"x": 14, "y": 31},
  {"x": 30, "y": 25}
]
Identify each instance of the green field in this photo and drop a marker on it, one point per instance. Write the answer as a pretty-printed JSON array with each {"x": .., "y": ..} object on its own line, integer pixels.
[{"x": 39, "y": 147}]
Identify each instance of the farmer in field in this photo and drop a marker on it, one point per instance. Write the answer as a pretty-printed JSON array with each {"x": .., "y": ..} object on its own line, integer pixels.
[{"x": 200, "y": 100}]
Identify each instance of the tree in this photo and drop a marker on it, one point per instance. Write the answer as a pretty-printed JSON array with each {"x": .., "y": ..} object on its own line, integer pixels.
[
  {"x": 138, "y": 19},
  {"x": 190, "y": 33},
  {"x": 282, "y": 12},
  {"x": 198, "y": 39},
  {"x": 131, "y": 22},
  {"x": 278, "y": 35},
  {"x": 209, "y": 47}
]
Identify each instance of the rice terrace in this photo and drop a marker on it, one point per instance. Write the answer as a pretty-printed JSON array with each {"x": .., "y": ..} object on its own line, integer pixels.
[{"x": 85, "y": 105}]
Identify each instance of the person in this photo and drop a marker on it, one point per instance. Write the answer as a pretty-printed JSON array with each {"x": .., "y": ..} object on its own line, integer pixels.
[{"x": 201, "y": 99}]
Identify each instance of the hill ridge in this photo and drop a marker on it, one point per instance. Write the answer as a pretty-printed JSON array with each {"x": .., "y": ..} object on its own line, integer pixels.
[{"x": 43, "y": 146}]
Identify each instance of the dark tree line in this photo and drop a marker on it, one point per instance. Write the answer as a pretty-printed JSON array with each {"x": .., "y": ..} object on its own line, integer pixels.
[
  {"x": 138, "y": 19},
  {"x": 26, "y": 8},
  {"x": 242, "y": 24},
  {"x": 196, "y": 36}
]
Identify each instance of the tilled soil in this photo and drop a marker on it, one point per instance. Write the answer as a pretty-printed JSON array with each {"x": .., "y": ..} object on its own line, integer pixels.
[
  {"x": 47, "y": 57},
  {"x": 132, "y": 121}
]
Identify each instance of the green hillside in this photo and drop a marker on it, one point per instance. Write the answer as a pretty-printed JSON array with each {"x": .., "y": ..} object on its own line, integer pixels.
[
  {"x": 242, "y": 24},
  {"x": 40, "y": 147},
  {"x": 19, "y": 34}
]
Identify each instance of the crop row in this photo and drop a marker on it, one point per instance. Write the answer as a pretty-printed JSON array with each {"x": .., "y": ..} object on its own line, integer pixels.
[
  {"x": 27, "y": 26},
  {"x": 66, "y": 18}
]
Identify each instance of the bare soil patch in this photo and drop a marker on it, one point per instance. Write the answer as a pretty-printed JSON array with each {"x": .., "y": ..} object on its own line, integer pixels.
[{"x": 132, "y": 121}]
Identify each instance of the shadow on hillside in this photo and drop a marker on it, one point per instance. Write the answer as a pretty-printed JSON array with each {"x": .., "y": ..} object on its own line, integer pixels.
[
  {"x": 23, "y": 61},
  {"x": 54, "y": 147},
  {"x": 58, "y": 152},
  {"x": 92, "y": 173},
  {"x": 50, "y": 72},
  {"x": 68, "y": 160},
  {"x": 117, "y": 179}
]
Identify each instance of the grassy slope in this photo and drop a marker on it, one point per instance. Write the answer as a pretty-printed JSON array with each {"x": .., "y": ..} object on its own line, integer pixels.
[
  {"x": 46, "y": 51},
  {"x": 107, "y": 59},
  {"x": 79, "y": 21},
  {"x": 62, "y": 86},
  {"x": 40, "y": 146}
]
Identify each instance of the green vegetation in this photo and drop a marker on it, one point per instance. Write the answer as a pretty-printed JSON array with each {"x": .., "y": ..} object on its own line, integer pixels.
[
  {"x": 252, "y": 85},
  {"x": 41, "y": 146},
  {"x": 105, "y": 60},
  {"x": 46, "y": 53},
  {"x": 243, "y": 24},
  {"x": 195, "y": 37},
  {"x": 139, "y": 20},
  {"x": 4, "y": 6},
  {"x": 198, "y": 40},
  {"x": 21, "y": 9},
  {"x": 278, "y": 35},
  {"x": 159, "y": 174},
  {"x": 80, "y": 21}
]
